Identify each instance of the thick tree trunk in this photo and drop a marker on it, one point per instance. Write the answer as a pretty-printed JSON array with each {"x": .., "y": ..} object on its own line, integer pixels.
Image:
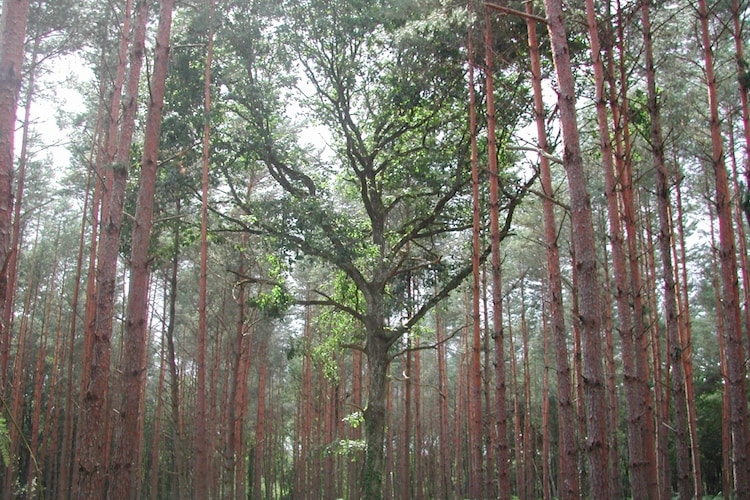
[
  {"x": 126, "y": 467},
  {"x": 378, "y": 362},
  {"x": 93, "y": 443},
  {"x": 730, "y": 306},
  {"x": 589, "y": 306},
  {"x": 568, "y": 487},
  {"x": 12, "y": 34}
]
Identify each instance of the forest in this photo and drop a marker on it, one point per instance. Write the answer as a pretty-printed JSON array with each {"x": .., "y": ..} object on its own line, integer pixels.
[{"x": 387, "y": 249}]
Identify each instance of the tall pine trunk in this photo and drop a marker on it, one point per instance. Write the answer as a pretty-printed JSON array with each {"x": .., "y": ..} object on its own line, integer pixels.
[
  {"x": 584, "y": 245},
  {"x": 501, "y": 449},
  {"x": 568, "y": 487},
  {"x": 93, "y": 443},
  {"x": 730, "y": 306},
  {"x": 12, "y": 33},
  {"x": 684, "y": 477},
  {"x": 201, "y": 441},
  {"x": 474, "y": 379},
  {"x": 126, "y": 474}
]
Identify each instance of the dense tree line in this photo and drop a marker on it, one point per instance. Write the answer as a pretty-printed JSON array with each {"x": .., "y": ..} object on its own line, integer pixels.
[{"x": 390, "y": 249}]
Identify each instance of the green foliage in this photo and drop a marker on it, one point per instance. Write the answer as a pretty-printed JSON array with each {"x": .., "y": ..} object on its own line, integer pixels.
[
  {"x": 355, "y": 419},
  {"x": 274, "y": 303},
  {"x": 324, "y": 356},
  {"x": 4, "y": 441},
  {"x": 744, "y": 197},
  {"x": 347, "y": 448}
]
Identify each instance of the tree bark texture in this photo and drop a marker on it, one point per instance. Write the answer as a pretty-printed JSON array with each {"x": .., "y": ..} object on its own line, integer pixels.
[
  {"x": 13, "y": 22},
  {"x": 568, "y": 487},
  {"x": 200, "y": 439},
  {"x": 126, "y": 467},
  {"x": 93, "y": 446},
  {"x": 730, "y": 306},
  {"x": 589, "y": 300}
]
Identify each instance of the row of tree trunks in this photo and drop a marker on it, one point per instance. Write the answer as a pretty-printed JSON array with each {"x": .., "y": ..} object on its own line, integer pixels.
[
  {"x": 92, "y": 450},
  {"x": 472, "y": 387},
  {"x": 126, "y": 461}
]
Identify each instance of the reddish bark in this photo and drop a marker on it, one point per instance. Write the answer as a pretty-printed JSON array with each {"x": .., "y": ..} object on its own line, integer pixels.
[
  {"x": 13, "y": 405},
  {"x": 94, "y": 421},
  {"x": 684, "y": 476},
  {"x": 726, "y": 431},
  {"x": 501, "y": 452},
  {"x": 8, "y": 274},
  {"x": 34, "y": 472},
  {"x": 627, "y": 285},
  {"x": 67, "y": 466},
  {"x": 568, "y": 487},
  {"x": 125, "y": 469},
  {"x": 645, "y": 458},
  {"x": 12, "y": 33},
  {"x": 730, "y": 306},
  {"x": 589, "y": 300},
  {"x": 260, "y": 422},
  {"x": 201, "y": 459}
]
